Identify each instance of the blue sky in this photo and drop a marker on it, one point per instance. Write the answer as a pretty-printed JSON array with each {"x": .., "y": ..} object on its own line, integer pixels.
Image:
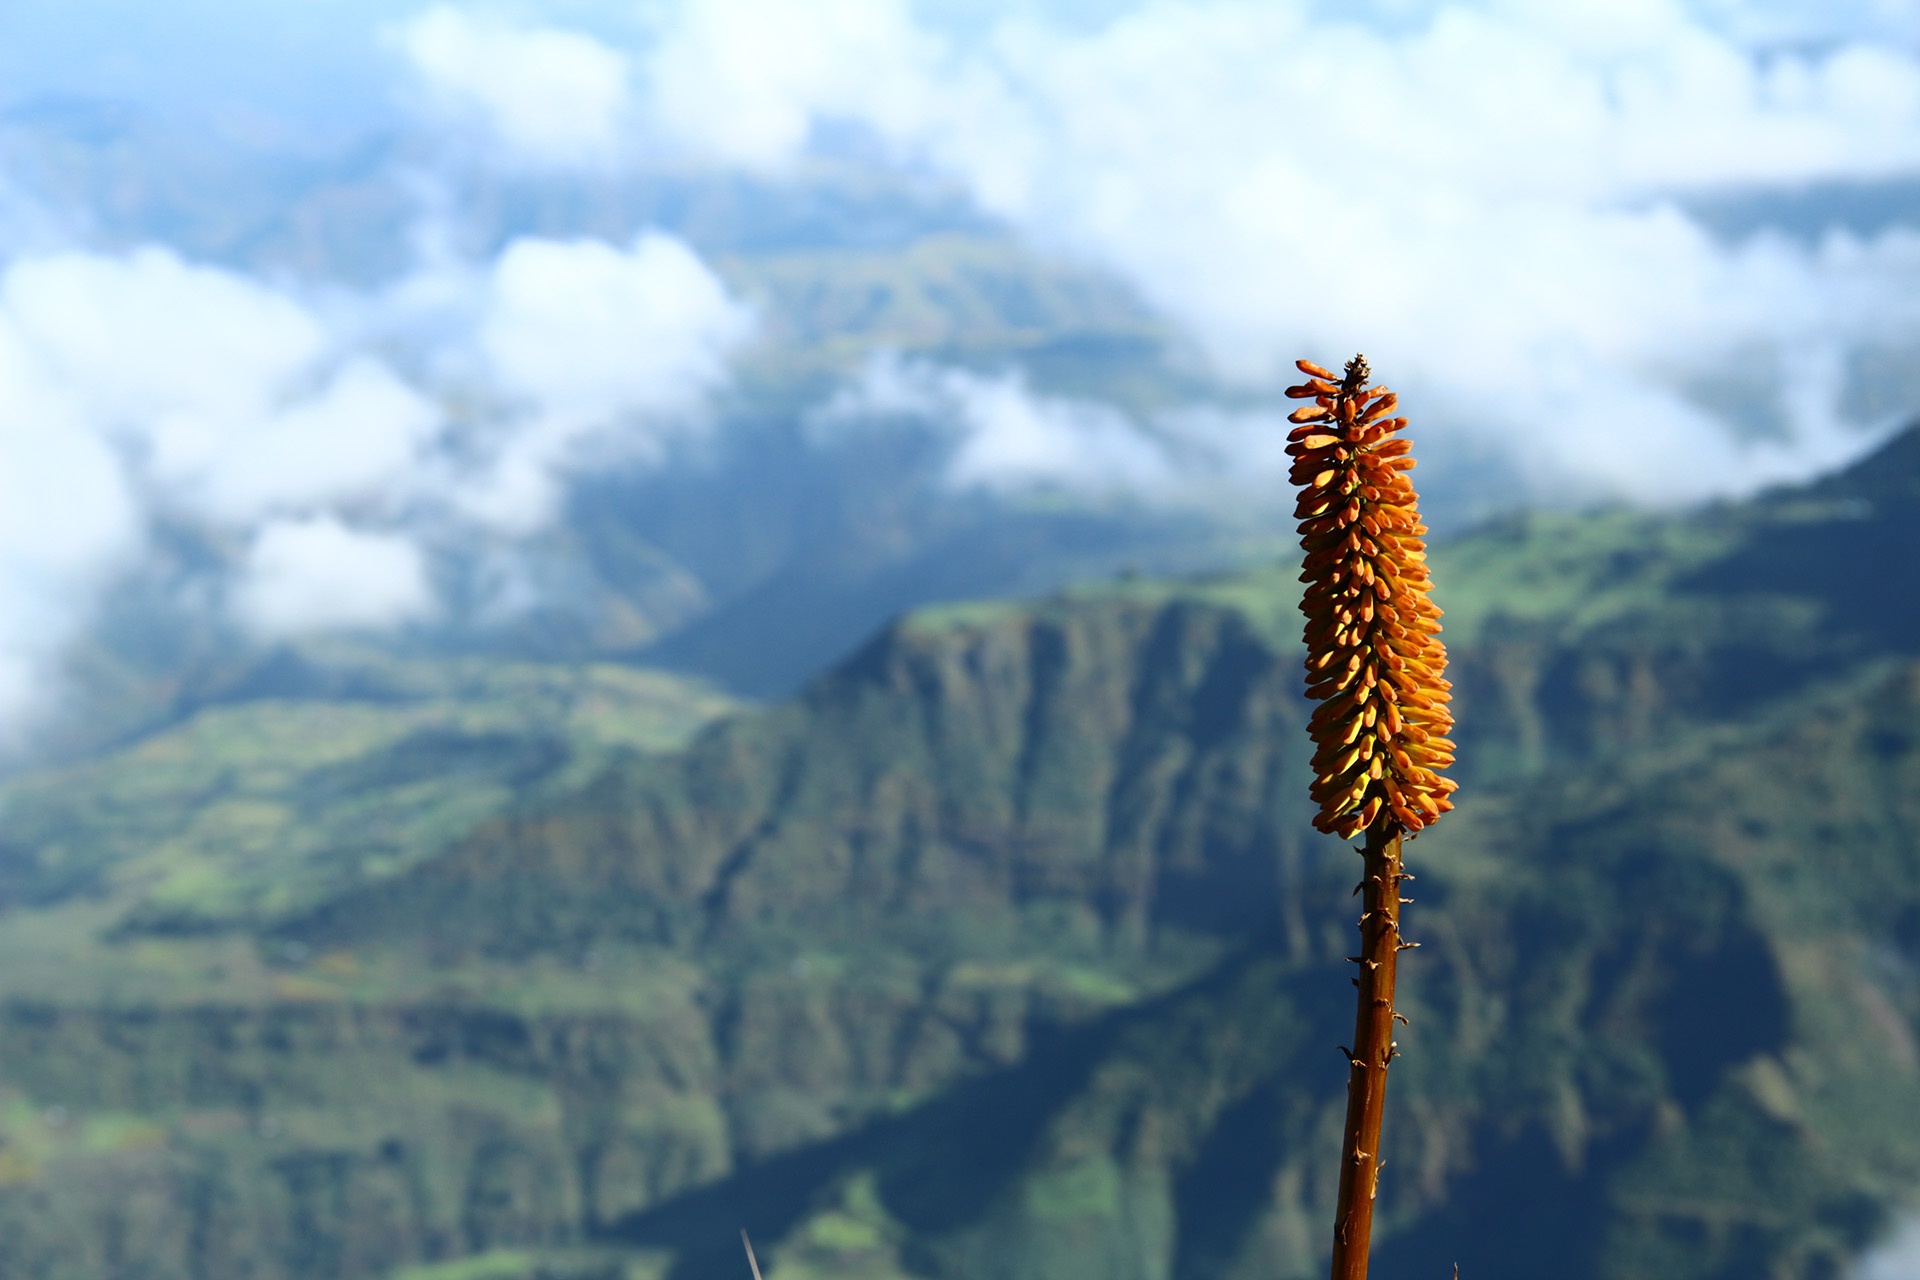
[
  {"x": 318, "y": 65},
  {"x": 320, "y": 60}
]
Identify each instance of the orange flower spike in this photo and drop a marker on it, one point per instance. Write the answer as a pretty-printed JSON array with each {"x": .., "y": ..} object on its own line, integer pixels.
[{"x": 1361, "y": 529}]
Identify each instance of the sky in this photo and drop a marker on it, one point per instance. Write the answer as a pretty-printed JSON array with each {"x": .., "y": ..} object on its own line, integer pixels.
[{"x": 1617, "y": 242}]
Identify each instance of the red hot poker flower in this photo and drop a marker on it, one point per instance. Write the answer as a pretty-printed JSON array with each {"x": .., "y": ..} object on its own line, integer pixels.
[{"x": 1374, "y": 658}]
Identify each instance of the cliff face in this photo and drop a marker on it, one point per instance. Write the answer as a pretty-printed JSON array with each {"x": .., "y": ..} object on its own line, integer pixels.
[
  {"x": 1122, "y": 766},
  {"x": 1006, "y": 950}
]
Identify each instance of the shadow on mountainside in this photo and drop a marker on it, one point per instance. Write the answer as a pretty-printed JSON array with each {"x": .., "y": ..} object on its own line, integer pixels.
[{"x": 940, "y": 1165}]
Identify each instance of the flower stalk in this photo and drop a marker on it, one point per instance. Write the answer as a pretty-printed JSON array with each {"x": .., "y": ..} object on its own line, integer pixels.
[{"x": 1376, "y": 665}]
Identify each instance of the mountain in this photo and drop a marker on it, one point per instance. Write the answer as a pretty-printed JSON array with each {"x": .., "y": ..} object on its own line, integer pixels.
[{"x": 1005, "y": 947}]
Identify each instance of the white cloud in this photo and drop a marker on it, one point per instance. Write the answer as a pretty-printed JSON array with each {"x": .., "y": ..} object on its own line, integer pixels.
[
  {"x": 318, "y": 575},
  {"x": 213, "y": 383},
  {"x": 599, "y": 348},
  {"x": 1489, "y": 197},
  {"x": 67, "y": 519},
  {"x": 124, "y": 382},
  {"x": 145, "y": 336},
  {"x": 588, "y": 331},
  {"x": 134, "y": 382},
  {"x": 363, "y": 432},
  {"x": 1016, "y": 439},
  {"x": 744, "y": 81},
  {"x": 1484, "y": 199},
  {"x": 138, "y": 384},
  {"x": 1004, "y": 437},
  {"x": 552, "y": 97}
]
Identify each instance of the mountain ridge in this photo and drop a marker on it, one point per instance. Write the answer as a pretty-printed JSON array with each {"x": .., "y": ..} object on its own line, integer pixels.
[{"x": 1004, "y": 949}]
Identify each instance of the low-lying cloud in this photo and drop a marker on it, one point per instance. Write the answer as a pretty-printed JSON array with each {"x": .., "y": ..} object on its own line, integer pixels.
[
  {"x": 316, "y": 574},
  {"x": 358, "y": 435},
  {"x": 1490, "y": 200},
  {"x": 552, "y": 97},
  {"x": 331, "y": 443},
  {"x": 1001, "y": 436},
  {"x": 1004, "y": 437},
  {"x": 581, "y": 337}
]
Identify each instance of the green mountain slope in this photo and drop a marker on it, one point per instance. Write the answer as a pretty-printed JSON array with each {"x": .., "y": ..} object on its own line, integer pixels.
[
  {"x": 254, "y": 808},
  {"x": 1005, "y": 950}
]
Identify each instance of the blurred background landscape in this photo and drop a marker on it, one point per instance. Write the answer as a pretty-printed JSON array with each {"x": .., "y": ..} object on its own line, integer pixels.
[{"x": 620, "y": 620}]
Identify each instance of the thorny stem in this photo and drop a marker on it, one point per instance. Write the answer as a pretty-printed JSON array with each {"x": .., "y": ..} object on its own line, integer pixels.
[{"x": 1373, "y": 1049}]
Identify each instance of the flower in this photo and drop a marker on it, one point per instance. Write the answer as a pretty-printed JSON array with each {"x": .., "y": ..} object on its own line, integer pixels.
[{"x": 1374, "y": 658}]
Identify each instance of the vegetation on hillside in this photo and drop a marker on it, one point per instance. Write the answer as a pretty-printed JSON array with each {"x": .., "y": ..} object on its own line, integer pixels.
[{"x": 1005, "y": 948}]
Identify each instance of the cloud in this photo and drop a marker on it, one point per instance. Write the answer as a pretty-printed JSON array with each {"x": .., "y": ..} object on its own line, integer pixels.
[
  {"x": 133, "y": 384},
  {"x": 554, "y": 98},
  {"x": 745, "y": 81},
  {"x": 67, "y": 520},
  {"x": 317, "y": 574},
  {"x": 1489, "y": 199},
  {"x": 596, "y": 349},
  {"x": 1004, "y": 437},
  {"x": 1897, "y": 1258},
  {"x": 227, "y": 397},
  {"x": 137, "y": 386},
  {"x": 144, "y": 337},
  {"x": 588, "y": 331},
  {"x": 1492, "y": 198},
  {"x": 362, "y": 433},
  {"x": 562, "y": 354}
]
